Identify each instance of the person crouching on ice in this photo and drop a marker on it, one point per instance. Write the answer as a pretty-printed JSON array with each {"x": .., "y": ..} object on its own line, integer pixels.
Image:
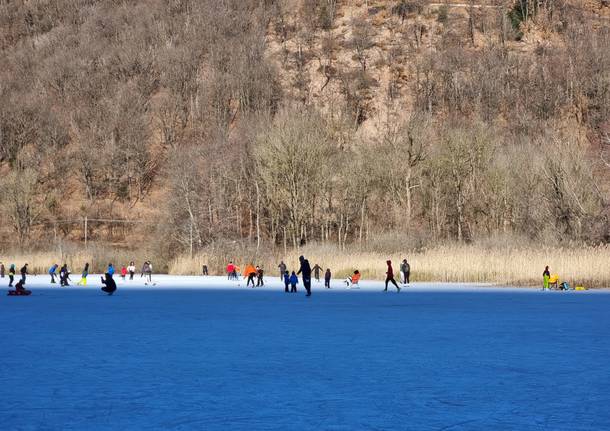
[
  {"x": 109, "y": 284},
  {"x": 250, "y": 274}
]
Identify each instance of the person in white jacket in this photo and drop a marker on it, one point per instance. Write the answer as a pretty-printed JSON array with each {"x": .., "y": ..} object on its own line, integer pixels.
[{"x": 131, "y": 269}]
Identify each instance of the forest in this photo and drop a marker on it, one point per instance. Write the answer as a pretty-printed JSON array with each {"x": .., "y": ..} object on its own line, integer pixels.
[{"x": 184, "y": 126}]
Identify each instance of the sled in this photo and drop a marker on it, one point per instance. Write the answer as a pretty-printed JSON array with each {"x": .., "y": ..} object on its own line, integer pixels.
[{"x": 19, "y": 292}]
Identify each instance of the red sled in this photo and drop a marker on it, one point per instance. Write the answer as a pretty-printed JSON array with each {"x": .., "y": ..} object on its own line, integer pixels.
[{"x": 19, "y": 292}]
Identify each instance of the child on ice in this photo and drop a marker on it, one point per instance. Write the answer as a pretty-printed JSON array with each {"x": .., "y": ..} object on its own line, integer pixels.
[
  {"x": 286, "y": 281},
  {"x": 294, "y": 280},
  {"x": 123, "y": 273},
  {"x": 327, "y": 277}
]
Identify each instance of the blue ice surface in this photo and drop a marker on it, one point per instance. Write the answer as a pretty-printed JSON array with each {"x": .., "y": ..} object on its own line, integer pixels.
[{"x": 260, "y": 359}]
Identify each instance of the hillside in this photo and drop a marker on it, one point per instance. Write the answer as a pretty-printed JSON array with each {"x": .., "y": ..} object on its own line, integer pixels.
[{"x": 182, "y": 125}]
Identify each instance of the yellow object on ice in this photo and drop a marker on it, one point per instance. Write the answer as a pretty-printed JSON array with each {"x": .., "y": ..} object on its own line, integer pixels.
[
  {"x": 580, "y": 288},
  {"x": 554, "y": 278}
]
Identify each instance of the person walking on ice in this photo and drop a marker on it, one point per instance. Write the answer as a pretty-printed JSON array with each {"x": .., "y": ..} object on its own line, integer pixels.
[
  {"x": 390, "y": 277},
  {"x": 316, "y": 272},
  {"x": 327, "y": 277},
  {"x": 405, "y": 269},
  {"x": 305, "y": 271},
  {"x": 24, "y": 273},
  {"x": 147, "y": 272},
  {"x": 294, "y": 280},
  {"x": 282, "y": 267},
  {"x": 131, "y": 269},
  {"x": 286, "y": 281}
]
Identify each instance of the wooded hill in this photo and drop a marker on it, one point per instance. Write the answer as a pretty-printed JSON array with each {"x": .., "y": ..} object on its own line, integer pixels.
[{"x": 183, "y": 123}]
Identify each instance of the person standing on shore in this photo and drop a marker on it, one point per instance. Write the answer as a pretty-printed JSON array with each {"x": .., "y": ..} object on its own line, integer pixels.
[
  {"x": 131, "y": 269},
  {"x": 390, "y": 277},
  {"x": 405, "y": 268},
  {"x": 282, "y": 267},
  {"x": 11, "y": 274},
  {"x": 2, "y": 269},
  {"x": 546, "y": 276},
  {"x": 305, "y": 271}
]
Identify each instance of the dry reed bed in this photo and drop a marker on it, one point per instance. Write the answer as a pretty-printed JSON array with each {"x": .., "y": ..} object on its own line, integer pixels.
[{"x": 588, "y": 266}]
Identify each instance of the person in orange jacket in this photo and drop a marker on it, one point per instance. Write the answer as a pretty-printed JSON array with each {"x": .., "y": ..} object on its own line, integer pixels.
[{"x": 250, "y": 273}]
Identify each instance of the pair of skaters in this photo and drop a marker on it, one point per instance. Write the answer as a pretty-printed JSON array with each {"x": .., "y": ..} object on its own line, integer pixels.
[{"x": 352, "y": 282}]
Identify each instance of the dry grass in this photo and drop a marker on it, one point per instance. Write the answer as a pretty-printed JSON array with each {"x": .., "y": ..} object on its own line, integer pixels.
[
  {"x": 586, "y": 266},
  {"x": 519, "y": 266}
]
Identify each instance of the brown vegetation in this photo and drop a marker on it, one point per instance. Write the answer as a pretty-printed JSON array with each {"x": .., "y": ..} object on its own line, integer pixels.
[{"x": 176, "y": 126}]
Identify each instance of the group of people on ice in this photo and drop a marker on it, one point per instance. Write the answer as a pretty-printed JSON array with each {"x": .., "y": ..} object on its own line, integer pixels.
[{"x": 63, "y": 275}]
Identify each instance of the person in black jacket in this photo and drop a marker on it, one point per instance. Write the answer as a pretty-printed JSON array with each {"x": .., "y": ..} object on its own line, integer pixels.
[
  {"x": 305, "y": 272},
  {"x": 109, "y": 284},
  {"x": 64, "y": 275},
  {"x": 24, "y": 272}
]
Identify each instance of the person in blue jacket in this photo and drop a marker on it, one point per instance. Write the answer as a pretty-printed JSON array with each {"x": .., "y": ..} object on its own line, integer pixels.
[
  {"x": 110, "y": 270},
  {"x": 286, "y": 281},
  {"x": 52, "y": 272},
  {"x": 294, "y": 280}
]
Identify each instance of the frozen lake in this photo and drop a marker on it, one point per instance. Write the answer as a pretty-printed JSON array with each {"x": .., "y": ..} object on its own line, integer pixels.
[{"x": 224, "y": 357}]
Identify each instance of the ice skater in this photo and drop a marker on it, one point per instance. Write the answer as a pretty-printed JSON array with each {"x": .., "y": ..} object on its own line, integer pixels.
[
  {"x": 390, "y": 277},
  {"x": 123, "y": 273},
  {"x": 109, "y": 284},
  {"x": 110, "y": 270},
  {"x": 24, "y": 273},
  {"x": 305, "y": 271},
  {"x": 11, "y": 274},
  {"x": 64, "y": 275},
  {"x": 53, "y": 271},
  {"x": 259, "y": 277},
  {"x": 327, "y": 277},
  {"x": 250, "y": 274},
  {"x": 405, "y": 268},
  {"x": 83, "y": 275}
]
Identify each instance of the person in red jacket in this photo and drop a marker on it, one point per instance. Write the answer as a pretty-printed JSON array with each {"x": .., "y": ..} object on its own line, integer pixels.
[
  {"x": 390, "y": 277},
  {"x": 230, "y": 270},
  {"x": 123, "y": 272}
]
